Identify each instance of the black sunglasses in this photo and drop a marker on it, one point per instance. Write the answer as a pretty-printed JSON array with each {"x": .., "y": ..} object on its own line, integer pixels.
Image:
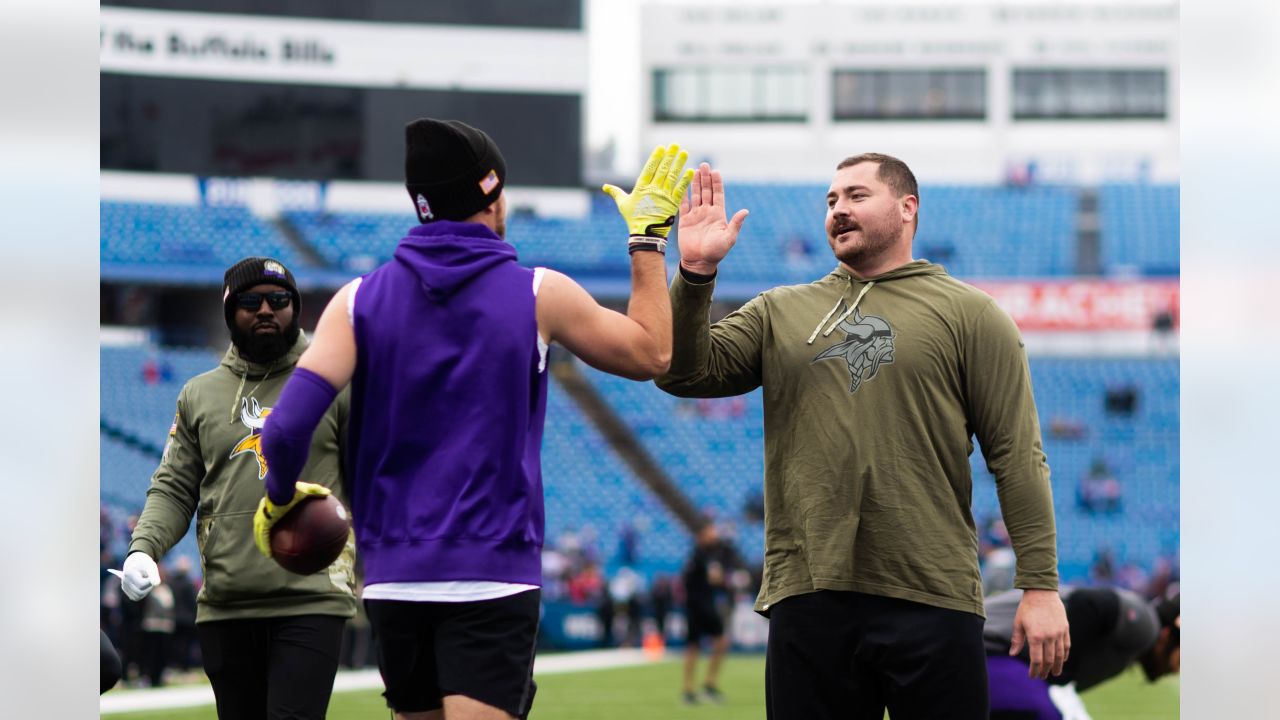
[{"x": 277, "y": 300}]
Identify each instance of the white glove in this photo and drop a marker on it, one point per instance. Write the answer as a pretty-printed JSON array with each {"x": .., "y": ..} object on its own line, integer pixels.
[
  {"x": 1068, "y": 702},
  {"x": 140, "y": 575}
]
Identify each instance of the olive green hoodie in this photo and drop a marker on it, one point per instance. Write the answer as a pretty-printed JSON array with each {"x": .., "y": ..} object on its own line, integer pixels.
[
  {"x": 872, "y": 392},
  {"x": 212, "y": 469}
]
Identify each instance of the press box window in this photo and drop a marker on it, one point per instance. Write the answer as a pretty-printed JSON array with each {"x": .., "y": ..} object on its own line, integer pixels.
[
  {"x": 729, "y": 94},
  {"x": 910, "y": 95},
  {"x": 1056, "y": 94}
]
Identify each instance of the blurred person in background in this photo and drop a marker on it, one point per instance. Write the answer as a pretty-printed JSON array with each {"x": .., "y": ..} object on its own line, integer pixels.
[
  {"x": 661, "y": 599},
  {"x": 626, "y": 591},
  {"x": 1099, "y": 491},
  {"x": 1111, "y": 629},
  {"x": 182, "y": 649},
  {"x": 445, "y": 348},
  {"x": 706, "y": 589},
  {"x": 157, "y": 631},
  {"x": 269, "y": 639},
  {"x": 871, "y": 560}
]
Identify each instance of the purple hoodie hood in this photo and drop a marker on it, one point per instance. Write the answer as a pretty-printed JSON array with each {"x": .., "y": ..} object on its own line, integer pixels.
[{"x": 445, "y": 255}]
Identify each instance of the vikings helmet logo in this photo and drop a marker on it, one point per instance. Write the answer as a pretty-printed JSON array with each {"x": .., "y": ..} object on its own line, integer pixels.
[
  {"x": 868, "y": 344},
  {"x": 253, "y": 419}
]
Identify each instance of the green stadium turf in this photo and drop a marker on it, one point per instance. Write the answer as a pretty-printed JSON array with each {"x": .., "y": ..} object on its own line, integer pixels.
[{"x": 653, "y": 691}]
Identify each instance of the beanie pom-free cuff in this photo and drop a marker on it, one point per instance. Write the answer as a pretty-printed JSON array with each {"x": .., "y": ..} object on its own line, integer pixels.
[{"x": 451, "y": 170}]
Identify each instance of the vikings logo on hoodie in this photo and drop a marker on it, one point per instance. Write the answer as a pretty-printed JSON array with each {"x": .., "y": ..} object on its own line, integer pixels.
[
  {"x": 253, "y": 419},
  {"x": 868, "y": 344}
]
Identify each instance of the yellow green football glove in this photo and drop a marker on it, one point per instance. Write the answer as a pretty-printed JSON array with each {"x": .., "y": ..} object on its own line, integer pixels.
[
  {"x": 650, "y": 208},
  {"x": 269, "y": 513}
]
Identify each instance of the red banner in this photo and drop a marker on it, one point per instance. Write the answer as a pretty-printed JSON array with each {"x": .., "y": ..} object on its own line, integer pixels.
[{"x": 1086, "y": 304}]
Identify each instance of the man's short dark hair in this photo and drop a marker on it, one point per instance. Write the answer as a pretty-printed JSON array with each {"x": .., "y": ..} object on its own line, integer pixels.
[{"x": 892, "y": 172}]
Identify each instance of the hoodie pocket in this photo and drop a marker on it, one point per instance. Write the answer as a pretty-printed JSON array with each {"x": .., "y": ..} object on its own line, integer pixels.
[
  {"x": 235, "y": 572},
  {"x": 233, "y": 567},
  {"x": 205, "y": 527}
]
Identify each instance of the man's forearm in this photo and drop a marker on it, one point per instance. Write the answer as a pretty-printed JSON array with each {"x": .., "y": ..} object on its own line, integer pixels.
[
  {"x": 689, "y": 309},
  {"x": 286, "y": 436},
  {"x": 650, "y": 305},
  {"x": 1027, "y": 511}
]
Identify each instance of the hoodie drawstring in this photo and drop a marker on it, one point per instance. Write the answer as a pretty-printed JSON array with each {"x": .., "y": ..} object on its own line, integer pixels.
[
  {"x": 235, "y": 403},
  {"x": 840, "y": 319}
]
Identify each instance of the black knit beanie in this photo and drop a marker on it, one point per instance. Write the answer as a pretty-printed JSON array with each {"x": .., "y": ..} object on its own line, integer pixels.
[
  {"x": 254, "y": 271},
  {"x": 452, "y": 170}
]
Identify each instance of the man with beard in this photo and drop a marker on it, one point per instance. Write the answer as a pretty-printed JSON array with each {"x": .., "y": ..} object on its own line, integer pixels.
[
  {"x": 876, "y": 377},
  {"x": 269, "y": 639},
  {"x": 445, "y": 348}
]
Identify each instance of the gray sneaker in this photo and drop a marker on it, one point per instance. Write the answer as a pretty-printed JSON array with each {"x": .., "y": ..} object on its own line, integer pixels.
[{"x": 713, "y": 694}]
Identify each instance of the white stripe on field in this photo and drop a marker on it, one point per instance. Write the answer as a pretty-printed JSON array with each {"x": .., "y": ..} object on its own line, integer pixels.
[{"x": 118, "y": 701}]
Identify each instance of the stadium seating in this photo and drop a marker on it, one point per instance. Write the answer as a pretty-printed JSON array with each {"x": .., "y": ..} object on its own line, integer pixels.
[
  {"x": 140, "y": 407},
  {"x": 974, "y": 231},
  {"x": 713, "y": 450},
  {"x": 185, "y": 235},
  {"x": 137, "y": 410},
  {"x": 354, "y": 242},
  {"x": 587, "y": 486},
  {"x": 1140, "y": 228}
]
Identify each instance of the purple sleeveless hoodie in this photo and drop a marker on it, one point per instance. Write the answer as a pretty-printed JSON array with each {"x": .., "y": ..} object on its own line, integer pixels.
[{"x": 447, "y": 409}]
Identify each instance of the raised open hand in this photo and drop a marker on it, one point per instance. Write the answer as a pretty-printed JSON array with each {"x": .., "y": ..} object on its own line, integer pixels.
[{"x": 705, "y": 235}]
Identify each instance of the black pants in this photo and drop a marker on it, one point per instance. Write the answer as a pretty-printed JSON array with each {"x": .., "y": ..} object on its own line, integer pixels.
[
  {"x": 155, "y": 656},
  {"x": 272, "y": 668},
  {"x": 108, "y": 664},
  {"x": 852, "y": 655}
]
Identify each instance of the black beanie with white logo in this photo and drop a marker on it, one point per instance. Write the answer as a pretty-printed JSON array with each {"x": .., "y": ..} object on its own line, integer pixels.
[
  {"x": 452, "y": 170},
  {"x": 256, "y": 271}
]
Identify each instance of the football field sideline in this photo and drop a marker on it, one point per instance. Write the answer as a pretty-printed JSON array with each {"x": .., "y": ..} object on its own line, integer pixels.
[{"x": 146, "y": 699}]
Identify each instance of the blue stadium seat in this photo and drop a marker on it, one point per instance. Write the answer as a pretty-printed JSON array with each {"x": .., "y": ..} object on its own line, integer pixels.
[
  {"x": 1140, "y": 228},
  {"x": 155, "y": 234},
  {"x": 588, "y": 486}
]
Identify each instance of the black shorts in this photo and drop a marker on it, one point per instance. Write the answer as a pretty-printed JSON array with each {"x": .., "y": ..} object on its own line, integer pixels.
[
  {"x": 704, "y": 621},
  {"x": 482, "y": 650}
]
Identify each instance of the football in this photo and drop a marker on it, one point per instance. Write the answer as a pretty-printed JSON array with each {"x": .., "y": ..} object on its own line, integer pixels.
[{"x": 311, "y": 535}]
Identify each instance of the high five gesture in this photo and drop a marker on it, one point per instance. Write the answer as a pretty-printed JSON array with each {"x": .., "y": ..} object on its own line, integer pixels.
[{"x": 705, "y": 233}]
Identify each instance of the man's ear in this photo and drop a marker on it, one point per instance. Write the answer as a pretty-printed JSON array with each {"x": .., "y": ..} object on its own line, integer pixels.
[{"x": 910, "y": 206}]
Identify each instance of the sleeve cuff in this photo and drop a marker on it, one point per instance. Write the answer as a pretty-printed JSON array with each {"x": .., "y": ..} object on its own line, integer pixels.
[{"x": 694, "y": 278}]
